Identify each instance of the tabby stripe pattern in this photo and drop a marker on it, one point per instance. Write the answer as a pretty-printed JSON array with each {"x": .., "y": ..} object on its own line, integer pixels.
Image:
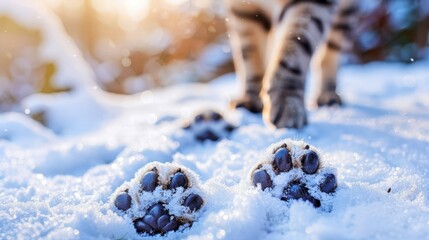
[
  {"x": 328, "y": 3},
  {"x": 273, "y": 43},
  {"x": 257, "y": 17}
]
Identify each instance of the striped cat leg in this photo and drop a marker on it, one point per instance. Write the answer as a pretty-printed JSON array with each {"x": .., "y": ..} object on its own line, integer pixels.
[
  {"x": 249, "y": 27},
  {"x": 328, "y": 58},
  {"x": 302, "y": 25}
]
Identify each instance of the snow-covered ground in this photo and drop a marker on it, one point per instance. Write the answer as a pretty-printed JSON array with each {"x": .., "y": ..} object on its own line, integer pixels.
[
  {"x": 60, "y": 186},
  {"x": 58, "y": 182}
]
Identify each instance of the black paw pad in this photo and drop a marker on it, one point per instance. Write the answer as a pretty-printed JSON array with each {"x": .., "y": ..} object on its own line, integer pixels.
[
  {"x": 149, "y": 181},
  {"x": 282, "y": 160},
  {"x": 179, "y": 179},
  {"x": 310, "y": 162},
  {"x": 209, "y": 125},
  {"x": 123, "y": 201},
  {"x": 298, "y": 167},
  {"x": 160, "y": 199},
  {"x": 156, "y": 221},
  {"x": 329, "y": 185},
  {"x": 261, "y": 177},
  {"x": 298, "y": 191},
  {"x": 207, "y": 135},
  {"x": 194, "y": 202}
]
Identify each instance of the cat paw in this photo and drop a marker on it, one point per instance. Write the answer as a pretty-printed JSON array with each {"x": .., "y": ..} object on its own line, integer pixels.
[
  {"x": 292, "y": 170},
  {"x": 329, "y": 99},
  {"x": 252, "y": 104},
  {"x": 286, "y": 112},
  {"x": 209, "y": 125},
  {"x": 160, "y": 199}
]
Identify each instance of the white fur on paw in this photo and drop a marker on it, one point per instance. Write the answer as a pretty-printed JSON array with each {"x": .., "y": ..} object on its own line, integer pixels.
[
  {"x": 161, "y": 198},
  {"x": 209, "y": 125},
  {"x": 293, "y": 170}
]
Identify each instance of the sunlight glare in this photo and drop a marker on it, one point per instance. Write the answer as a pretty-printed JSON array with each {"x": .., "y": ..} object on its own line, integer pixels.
[
  {"x": 176, "y": 2},
  {"x": 136, "y": 10}
]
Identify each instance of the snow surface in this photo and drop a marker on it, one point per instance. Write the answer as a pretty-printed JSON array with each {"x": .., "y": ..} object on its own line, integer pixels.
[
  {"x": 58, "y": 182},
  {"x": 60, "y": 187}
]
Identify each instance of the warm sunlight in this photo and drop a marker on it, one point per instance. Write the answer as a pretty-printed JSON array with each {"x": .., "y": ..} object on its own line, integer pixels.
[
  {"x": 136, "y": 10},
  {"x": 176, "y": 2}
]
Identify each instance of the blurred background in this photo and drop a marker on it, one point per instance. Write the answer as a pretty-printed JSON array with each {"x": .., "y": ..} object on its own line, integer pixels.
[{"x": 135, "y": 45}]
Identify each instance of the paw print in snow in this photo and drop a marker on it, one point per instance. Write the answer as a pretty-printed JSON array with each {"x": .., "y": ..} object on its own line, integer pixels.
[
  {"x": 160, "y": 199},
  {"x": 209, "y": 125},
  {"x": 293, "y": 170}
]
